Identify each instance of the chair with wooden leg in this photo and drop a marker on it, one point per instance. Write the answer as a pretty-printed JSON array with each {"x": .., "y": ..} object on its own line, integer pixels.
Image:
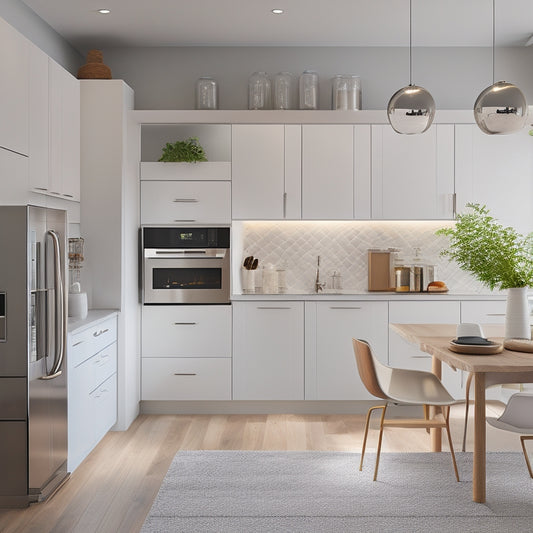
[
  {"x": 398, "y": 386},
  {"x": 518, "y": 418}
]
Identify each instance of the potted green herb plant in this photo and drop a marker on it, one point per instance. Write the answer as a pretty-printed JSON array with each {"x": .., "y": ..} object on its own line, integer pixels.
[
  {"x": 188, "y": 151},
  {"x": 497, "y": 256}
]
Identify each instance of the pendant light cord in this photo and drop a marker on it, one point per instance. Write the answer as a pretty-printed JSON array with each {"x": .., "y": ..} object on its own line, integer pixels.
[
  {"x": 411, "y": 42},
  {"x": 493, "y": 38}
]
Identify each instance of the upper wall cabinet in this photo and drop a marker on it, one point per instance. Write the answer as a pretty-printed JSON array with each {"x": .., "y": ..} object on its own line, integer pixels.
[
  {"x": 14, "y": 60},
  {"x": 266, "y": 171},
  {"x": 64, "y": 127},
  {"x": 496, "y": 170},
  {"x": 413, "y": 175},
  {"x": 335, "y": 171}
]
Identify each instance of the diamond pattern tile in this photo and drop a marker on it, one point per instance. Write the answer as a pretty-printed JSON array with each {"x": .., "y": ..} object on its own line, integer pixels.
[{"x": 343, "y": 246}]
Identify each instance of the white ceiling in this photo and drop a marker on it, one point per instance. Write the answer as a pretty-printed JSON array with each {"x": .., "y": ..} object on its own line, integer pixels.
[{"x": 304, "y": 23}]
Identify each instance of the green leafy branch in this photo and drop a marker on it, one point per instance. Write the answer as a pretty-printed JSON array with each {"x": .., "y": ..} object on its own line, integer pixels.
[
  {"x": 188, "y": 151},
  {"x": 495, "y": 255}
]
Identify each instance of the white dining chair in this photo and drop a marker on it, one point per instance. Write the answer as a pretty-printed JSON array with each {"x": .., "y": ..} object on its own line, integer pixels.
[
  {"x": 399, "y": 386},
  {"x": 518, "y": 418}
]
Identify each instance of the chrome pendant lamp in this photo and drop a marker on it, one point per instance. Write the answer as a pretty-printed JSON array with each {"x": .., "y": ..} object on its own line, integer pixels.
[
  {"x": 500, "y": 108},
  {"x": 411, "y": 110}
]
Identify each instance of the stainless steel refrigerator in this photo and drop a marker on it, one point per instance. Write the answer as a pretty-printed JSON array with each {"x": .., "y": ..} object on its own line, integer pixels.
[{"x": 33, "y": 381}]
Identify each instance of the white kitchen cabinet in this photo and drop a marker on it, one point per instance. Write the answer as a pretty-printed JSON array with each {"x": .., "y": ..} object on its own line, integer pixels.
[
  {"x": 186, "y": 331},
  {"x": 413, "y": 175},
  {"x": 64, "y": 127},
  {"x": 14, "y": 89},
  {"x": 335, "y": 171},
  {"x": 92, "y": 386},
  {"x": 483, "y": 311},
  {"x": 266, "y": 171},
  {"x": 495, "y": 170},
  {"x": 404, "y": 354},
  {"x": 268, "y": 350},
  {"x": 330, "y": 366},
  {"x": 13, "y": 177},
  {"x": 185, "y": 202},
  {"x": 186, "y": 378},
  {"x": 202, "y": 170}
]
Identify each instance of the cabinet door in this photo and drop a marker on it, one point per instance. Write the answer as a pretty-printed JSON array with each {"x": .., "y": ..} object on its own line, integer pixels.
[
  {"x": 404, "y": 354},
  {"x": 13, "y": 177},
  {"x": 495, "y": 170},
  {"x": 185, "y": 202},
  {"x": 268, "y": 351},
  {"x": 331, "y": 372},
  {"x": 14, "y": 60},
  {"x": 327, "y": 172},
  {"x": 483, "y": 311},
  {"x": 265, "y": 164},
  {"x": 64, "y": 127},
  {"x": 413, "y": 175}
]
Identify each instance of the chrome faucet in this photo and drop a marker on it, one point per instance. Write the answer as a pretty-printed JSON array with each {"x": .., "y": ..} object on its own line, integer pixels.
[{"x": 318, "y": 286}]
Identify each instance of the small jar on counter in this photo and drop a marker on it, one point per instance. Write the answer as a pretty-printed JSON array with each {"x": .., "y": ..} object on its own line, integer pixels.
[{"x": 270, "y": 279}]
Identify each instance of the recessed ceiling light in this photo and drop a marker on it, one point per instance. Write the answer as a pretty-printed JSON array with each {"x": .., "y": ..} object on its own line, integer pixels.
[
  {"x": 277, "y": 11},
  {"x": 104, "y": 11}
]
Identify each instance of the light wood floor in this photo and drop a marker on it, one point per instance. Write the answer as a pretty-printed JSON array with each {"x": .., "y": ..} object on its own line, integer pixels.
[{"x": 113, "y": 489}]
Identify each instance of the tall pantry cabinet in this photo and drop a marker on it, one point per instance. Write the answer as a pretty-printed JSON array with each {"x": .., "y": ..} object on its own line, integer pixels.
[{"x": 110, "y": 222}]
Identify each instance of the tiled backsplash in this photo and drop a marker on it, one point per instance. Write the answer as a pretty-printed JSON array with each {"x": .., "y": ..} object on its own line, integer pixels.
[{"x": 343, "y": 246}]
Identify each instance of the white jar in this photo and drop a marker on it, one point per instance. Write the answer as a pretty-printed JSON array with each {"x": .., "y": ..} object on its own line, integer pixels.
[{"x": 308, "y": 90}]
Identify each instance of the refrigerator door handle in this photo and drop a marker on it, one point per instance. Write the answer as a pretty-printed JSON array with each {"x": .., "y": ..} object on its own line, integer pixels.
[{"x": 59, "y": 310}]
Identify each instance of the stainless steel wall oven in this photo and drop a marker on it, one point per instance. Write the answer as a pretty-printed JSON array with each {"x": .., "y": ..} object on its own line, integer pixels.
[{"x": 186, "y": 265}]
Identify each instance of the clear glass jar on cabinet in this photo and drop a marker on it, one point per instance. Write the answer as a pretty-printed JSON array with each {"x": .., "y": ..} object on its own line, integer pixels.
[
  {"x": 206, "y": 93},
  {"x": 308, "y": 90},
  {"x": 259, "y": 91},
  {"x": 283, "y": 90}
]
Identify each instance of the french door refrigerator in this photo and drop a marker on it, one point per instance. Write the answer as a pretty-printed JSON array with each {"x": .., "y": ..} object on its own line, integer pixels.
[{"x": 33, "y": 384}]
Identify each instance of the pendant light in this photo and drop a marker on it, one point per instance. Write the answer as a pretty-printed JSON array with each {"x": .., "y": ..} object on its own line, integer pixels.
[
  {"x": 500, "y": 108},
  {"x": 411, "y": 109}
]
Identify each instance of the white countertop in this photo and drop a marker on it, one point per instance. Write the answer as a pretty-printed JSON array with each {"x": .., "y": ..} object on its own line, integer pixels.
[
  {"x": 348, "y": 295},
  {"x": 93, "y": 317}
]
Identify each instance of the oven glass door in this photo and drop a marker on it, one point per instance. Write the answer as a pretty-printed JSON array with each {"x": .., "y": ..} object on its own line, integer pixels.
[{"x": 176, "y": 280}]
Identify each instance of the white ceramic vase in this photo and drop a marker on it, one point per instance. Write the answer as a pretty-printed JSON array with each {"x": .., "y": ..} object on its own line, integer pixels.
[{"x": 517, "y": 319}]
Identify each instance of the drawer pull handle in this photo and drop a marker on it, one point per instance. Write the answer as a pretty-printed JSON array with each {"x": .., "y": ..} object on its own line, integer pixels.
[
  {"x": 340, "y": 307},
  {"x": 274, "y": 308},
  {"x": 101, "y": 332},
  {"x": 185, "y": 373},
  {"x": 186, "y": 200},
  {"x": 185, "y": 323},
  {"x": 68, "y": 195},
  {"x": 495, "y": 314},
  {"x": 77, "y": 343},
  {"x": 184, "y": 220},
  {"x": 40, "y": 188}
]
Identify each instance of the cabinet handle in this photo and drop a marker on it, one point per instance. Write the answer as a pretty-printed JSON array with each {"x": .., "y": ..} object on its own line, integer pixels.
[
  {"x": 185, "y": 323},
  {"x": 274, "y": 308},
  {"x": 454, "y": 204},
  {"x": 495, "y": 314},
  {"x": 40, "y": 188},
  {"x": 185, "y": 373},
  {"x": 101, "y": 332},
  {"x": 185, "y": 200},
  {"x": 340, "y": 307},
  {"x": 284, "y": 205},
  {"x": 184, "y": 220},
  {"x": 77, "y": 343},
  {"x": 68, "y": 195}
]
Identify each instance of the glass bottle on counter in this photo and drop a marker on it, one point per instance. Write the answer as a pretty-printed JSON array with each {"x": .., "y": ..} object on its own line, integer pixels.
[{"x": 402, "y": 275}]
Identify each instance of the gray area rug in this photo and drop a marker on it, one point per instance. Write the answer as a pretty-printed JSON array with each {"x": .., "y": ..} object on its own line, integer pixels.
[{"x": 308, "y": 492}]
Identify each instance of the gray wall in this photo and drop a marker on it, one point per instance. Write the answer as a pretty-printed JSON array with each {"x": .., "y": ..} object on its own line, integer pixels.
[
  {"x": 164, "y": 78},
  {"x": 21, "y": 17}
]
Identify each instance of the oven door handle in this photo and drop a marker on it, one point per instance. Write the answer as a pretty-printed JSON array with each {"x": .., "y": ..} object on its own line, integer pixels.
[{"x": 186, "y": 251}]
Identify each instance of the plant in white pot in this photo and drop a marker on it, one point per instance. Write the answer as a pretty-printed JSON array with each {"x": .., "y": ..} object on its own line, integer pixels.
[{"x": 497, "y": 256}]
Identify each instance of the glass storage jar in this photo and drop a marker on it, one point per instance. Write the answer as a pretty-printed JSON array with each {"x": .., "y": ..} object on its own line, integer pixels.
[
  {"x": 339, "y": 93},
  {"x": 259, "y": 91},
  {"x": 283, "y": 90},
  {"x": 206, "y": 93},
  {"x": 308, "y": 90}
]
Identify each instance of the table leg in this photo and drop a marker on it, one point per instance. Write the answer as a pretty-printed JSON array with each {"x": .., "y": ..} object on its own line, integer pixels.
[
  {"x": 479, "y": 477},
  {"x": 436, "y": 433}
]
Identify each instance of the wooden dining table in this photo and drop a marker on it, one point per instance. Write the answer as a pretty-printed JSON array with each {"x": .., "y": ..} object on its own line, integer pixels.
[{"x": 506, "y": 367}]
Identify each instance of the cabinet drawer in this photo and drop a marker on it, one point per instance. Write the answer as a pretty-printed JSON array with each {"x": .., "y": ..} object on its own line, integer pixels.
[
  {"x": 92, "y": 340},
  {"x": 186, "y": 331},
  {"x": 103, "y": 407},
  {"x": 483, "y": 312},
  {"x": 203, "y": 170},
  {"x": 182, "y": 202},
  {"x": 186, "y": 379},
  {"x": 103, "y": 365}
]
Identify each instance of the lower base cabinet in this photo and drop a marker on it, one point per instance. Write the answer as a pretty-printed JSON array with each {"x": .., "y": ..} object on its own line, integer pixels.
[
  {"x": 92, "y": 396},
  {"x": 268, "y": 350}
]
